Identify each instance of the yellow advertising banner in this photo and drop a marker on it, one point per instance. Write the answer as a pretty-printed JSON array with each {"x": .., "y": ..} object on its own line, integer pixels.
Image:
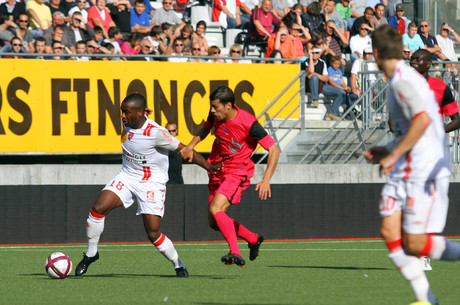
[{"x": 74, "y": 107}]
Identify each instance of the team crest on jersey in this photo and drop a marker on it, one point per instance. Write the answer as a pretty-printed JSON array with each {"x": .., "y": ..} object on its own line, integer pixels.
[
  {"x": 150, "y": 196},
  {"x": 123, "y": 136},
  {"x": 130, "y": 136},
  {"x": 226, "y": 131}
]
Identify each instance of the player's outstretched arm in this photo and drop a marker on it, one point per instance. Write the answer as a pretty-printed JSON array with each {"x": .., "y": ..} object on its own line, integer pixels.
[
  {"x": 264, "y": 185},
  {"x": 199, "y": 160},
  {"x": 454, "y": 123},
  {"x": 188, "y": 151}
]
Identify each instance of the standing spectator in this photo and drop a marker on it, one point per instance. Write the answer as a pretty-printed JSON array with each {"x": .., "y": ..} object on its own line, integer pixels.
[
  {"x": 175, "y": 161},
  {"x": 317, "y": 76},
  {"x": 228, "y": 14},
  {"x": 313, "y": 19},
  {"x": 261, "y": 23},
  {"x": 430, "y": 41},
  {"x": 177, "y": 50},
  {"x": 446, "y": 43},
  {"x": 23, "y": 32},
  {"x": 99, "y": 15},
  {"x": 14, "y": 7},
  {"x": 359, "y": 42},
  {"x": 39, "y": 17},
  {"x": 140, "y": 21},
  {"x": 343, "y": 8},
  {"x": 398, "y": 20},
  {"x": 199, "y": 37},
  {"x": 166, "y": 14},
  {"x": 80, "y": 7},
  {"x": 365, "y": 20},
  {"x": 331, "y": 14},
  {"x": 335, "y": 86},
  {"x": 16, "y": 47},
  {"x": 281, "y": 45},
  {"x": 76, "y": 31},
  {"x": 120, "y": 11},
  {"x": 412, "y": 39},
  {"x": 379, "y": 18}
]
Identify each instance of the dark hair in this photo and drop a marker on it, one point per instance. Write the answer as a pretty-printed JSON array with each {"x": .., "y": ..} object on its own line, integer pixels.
[
  {"x": 98, "y": 30},
  {"x": 138, "y": 99},
  {"x": 113, "y": 30},
  {"x": 388, "y": 42},
  {"x": 201, "y": 22},
  {"x": 165, "y": 26},
  {"x": 423, "y": 53},
  {"x": 314, "y": 9},
  {"x": 290, "y": 19},
  {"x": 316, "y": 36},
  {"x": 156, "y": 30},
  {"x": 81, "y": 42},
  {"x": 335, "y": 58},
  {"x": 40, "y": 38},
  {"x": 377, "y": 5},
  {"x": 139, "y": 2},
  {"x": 224, "y": 94}
]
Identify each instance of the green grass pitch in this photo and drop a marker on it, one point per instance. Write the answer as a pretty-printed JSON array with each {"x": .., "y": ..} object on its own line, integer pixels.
[{"x": 322, "y": 272}]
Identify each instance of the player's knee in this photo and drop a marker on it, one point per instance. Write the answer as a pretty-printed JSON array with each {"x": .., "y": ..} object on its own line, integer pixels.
[
  {"x": 413, "y": 245},
  {"x": 153, "y": 235}
]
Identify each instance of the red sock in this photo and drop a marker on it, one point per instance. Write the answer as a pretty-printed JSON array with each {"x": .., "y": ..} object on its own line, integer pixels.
[
  {"x": 394, "y": 245},
  {"x": 244, "y": 233},
  {"x": 227, "y": 229}
]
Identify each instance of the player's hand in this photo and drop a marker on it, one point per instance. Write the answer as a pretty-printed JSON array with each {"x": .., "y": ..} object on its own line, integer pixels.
[
  {"x": 376, "y": 154},
  {"x": 187, "y": 153},
  {"x": 387, "y": 164},
  {"x": 148, "y": 111},
  {"x": 264, "y": 189},
  {"x": 213, "y": 169}
]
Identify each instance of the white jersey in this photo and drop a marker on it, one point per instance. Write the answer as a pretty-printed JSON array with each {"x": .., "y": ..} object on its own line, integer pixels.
[
  {"x": 145, "y": 152},
  {"x": 409, "y": 95}
]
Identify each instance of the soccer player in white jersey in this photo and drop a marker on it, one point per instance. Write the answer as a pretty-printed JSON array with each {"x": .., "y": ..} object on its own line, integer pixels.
[
  {"x": 414, "y": 201},
  {"x": 142, "y": 179}
]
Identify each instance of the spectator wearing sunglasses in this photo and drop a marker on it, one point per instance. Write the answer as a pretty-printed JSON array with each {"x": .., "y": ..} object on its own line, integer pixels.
[
  {"x": 235, "y": 51},
  {"x": 57, "y": 48},
  {"x": 178, "y": 49},
  {"x": 430, "y": 41},
  {"x": 24, "y": 34},
  {"x": 447, "y": 43},
  {"x": 16, "y": 47},
  {"x": 359, "y": 42},
  {"x": 196, "y": 51},
  {"x": 214, "y": 51}
]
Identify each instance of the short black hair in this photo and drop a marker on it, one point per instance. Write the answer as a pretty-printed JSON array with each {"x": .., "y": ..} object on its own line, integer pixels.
[
  {"x": 138, "y": 99},
  {"x": 224, "y": 94}
]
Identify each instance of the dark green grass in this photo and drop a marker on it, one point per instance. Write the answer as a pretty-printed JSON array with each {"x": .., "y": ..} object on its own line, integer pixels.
[{"x": 292, "y": 272}]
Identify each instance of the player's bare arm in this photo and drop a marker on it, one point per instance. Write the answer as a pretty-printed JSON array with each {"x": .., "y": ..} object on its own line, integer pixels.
[
  {"x": 199, "y": 160},
  {"x": 454, "y": 123},
  {"x": 417, "y": 128},
  {"x": 187, "y": 151},
  {"x": 264, "y": 185}
]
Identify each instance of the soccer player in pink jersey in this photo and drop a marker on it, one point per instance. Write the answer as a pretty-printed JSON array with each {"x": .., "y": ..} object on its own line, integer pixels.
[
  {"x": 142, "y": 179},
  {"x": 237, "y": 135},
  {"x": 414, "y": 202}
]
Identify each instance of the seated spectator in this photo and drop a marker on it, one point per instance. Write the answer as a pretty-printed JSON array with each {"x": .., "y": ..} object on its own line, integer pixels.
[
  {"x": 261, "y": 23},
  {"x": 39, "y": 17},
  {"x": 132, "y": 44},
  {"x": 316, "y": 42},
  {"x": 166, "y": 14},
  {"x": 56, "y": 35},
  {"x": 167, "y": 37},
  {"x": 398, "y": 20},
  {"x": 16, "y": 47},
  {"x": 140, "y": 21},
  {"x": 281, "y": 45},
  {"x": 412, "y": 39},
  {"x": 214, "y": 51},
  {"x": 187, "y": 38},
  {"x": 313, "y": 19},
  {"x": 228, "y": 14},
  {"x": 406, "y": 53},
  {"x": 235, "y": 51},
  {"x": 58, "y": 6},
  {"x": 247, "y": 6},
  {"x": 317, "y": 76},
  {"x": 99, "y": 15},
  {"x": 178, "y": 47},
  {"x": 357, "y": 68},
  {"x": 430, "y": 41},
  {"x": 365, "y": 20},
  {"x": 57, "y": 48},
  {"x": 359, "y": 42},
  {"x": 77, "y": 31},
  {"x": 297, "y": 9},
  {"x": 92, "y": 47},
  {"x": 81, "y": 50},
  {"x": 155, "y": 40},
  {"x": 446, "y": 43},
  {"x": 120, "y": 11},
  {"x": 39, "y": 47},
  {"x": 24, "y": 34},
  {"x": 15, "y": 7},
  {"x": 343, "y": 8},
  {"x": 297, "y": 31},
  {"x": 335, "y": 40},
  {"x": 331, "y": 14},
  {"x": 58, "y": 18},
  {"x": 115, "y": 38},
  {"x": 359, "y": 7},
  {"x": 198, "y": 36},
  {"x": 196, "y": 51},
  {"x": 378, "y": 18},
  {"x": 146, "y": 49},
  {"x": 335, "y": 87},
  {"x": 80, "y": 7},
  {"x": 107, "y": 48},
  {"x": 390, "y": 8}
]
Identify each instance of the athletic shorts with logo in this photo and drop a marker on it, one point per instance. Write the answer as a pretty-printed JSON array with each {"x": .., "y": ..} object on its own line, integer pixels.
[
  {"x": 424, "y": 205},
  {"x": 150, "y": 196},
  {"x": 231, "y": 186}
]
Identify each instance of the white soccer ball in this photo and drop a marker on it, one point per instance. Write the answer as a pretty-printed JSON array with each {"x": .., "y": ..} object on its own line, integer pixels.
[{"x": 58, "y": 265}]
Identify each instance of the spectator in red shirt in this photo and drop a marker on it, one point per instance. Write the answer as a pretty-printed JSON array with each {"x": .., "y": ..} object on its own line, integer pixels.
[
  {"x": 262, "y": 20},
  {"x": 99, "y": 15},
  {"x": 281, "y": 45}
]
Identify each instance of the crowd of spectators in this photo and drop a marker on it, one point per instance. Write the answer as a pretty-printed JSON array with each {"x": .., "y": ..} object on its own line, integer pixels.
[{"x": 330, "y": 33}]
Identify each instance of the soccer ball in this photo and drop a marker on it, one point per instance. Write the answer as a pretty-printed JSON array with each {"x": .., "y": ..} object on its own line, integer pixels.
[{"x": 58, "y": 265}]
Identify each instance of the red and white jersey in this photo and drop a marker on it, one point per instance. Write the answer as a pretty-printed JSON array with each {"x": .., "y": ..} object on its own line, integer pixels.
[
  {"x": 145, "y": 152},
  {"x": 409, "y": 95}
]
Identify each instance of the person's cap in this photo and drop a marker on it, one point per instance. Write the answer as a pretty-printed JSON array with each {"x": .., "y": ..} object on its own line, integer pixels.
[
  {"x": 367, "y": 50},
  {"x": 399, "y": 7},
  {"x": 316, "y": 50}
]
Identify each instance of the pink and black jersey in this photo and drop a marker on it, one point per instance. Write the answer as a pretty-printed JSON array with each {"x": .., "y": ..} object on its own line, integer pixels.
[
  {"x": 444, "y": 96},
  {"x": 410, "y": 95},
  {"x": 145, "y": 152},
  {"x": 235, "y": 141}
]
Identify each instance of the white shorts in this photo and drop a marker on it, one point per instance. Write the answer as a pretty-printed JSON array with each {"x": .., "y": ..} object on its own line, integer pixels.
[
  {"x": 424, "y": 205},
  {"x": 150, "y": 196}
]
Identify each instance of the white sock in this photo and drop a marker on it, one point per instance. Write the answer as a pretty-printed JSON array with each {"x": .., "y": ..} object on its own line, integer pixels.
[
  {"x": 166, "y": 247},
  {"x": 410, "y": 268},
  {"x": 94, "y": 229}
]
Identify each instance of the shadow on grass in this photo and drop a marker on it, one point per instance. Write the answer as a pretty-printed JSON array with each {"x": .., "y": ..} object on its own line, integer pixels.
[
  {"x": 332, "y": 267},
  {"x": 127, "y": 275}
]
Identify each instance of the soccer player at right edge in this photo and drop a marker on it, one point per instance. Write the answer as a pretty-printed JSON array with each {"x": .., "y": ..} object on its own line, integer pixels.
[
  {"x": 415, "y": 199},
  {"x": 237, "y": 134}
]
